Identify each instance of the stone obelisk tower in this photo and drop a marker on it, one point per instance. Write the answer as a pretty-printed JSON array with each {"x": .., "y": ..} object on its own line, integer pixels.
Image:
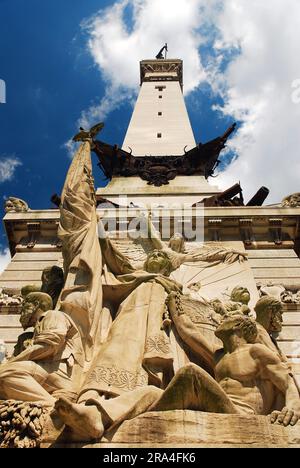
[
  {"x": 160, "y": 124},
  {"x": 159, "y": 128}
]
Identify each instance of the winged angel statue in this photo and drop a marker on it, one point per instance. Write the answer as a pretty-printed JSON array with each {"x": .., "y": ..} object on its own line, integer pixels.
[{"x": 139, "y": 345}]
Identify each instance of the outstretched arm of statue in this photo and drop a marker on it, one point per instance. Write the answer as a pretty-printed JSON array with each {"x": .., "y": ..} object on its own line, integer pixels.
[
  {"x": 188, "y": 332},
  {"x": 216, "y": 254},
  {"x": 273, "y": 369},
  {"x": 154, "y": 235},
  {"x": 117, "y": 262}
]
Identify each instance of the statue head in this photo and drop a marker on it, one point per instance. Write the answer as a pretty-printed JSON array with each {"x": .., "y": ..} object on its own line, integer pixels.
[
  {"x": 240, "y": 325},
  {"x": 269, "y": 312},
  {"x": 158, "y": 262},
  {"x": 34, "y": 305},
  {"x": 240, "y": 294},
  {"x": 195, "y": 286},
  {"x": 29, "y": 288},
  {"x": 177, "y": 243},
  {"x": 52, "y": 282},
  {"x": 52, "y": 275}
]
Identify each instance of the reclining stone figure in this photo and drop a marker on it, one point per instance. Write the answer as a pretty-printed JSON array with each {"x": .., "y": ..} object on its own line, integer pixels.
[
  {"x": 248, "y": 378},
  {"x": 48, "y": 367}
]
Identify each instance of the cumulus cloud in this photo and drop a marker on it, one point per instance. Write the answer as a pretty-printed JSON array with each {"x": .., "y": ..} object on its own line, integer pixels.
[
  {"x": 4, "y": 259},
  {"x": 258, "y": 89},
  {"x": 8, "y": 165},
  {"x": 260, "y": 42},
  {"x": 131, "y": 30}
]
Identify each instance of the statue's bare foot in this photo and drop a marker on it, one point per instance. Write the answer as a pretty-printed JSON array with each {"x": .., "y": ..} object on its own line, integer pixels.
[{"x": 86, "y": 421}]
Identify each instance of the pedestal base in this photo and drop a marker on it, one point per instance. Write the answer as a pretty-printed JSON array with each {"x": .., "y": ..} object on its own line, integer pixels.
[{"x": 193, "y": 429}]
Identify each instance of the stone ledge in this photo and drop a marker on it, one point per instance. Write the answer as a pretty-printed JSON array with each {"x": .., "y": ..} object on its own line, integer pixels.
[{"x": 194, "y": 429}]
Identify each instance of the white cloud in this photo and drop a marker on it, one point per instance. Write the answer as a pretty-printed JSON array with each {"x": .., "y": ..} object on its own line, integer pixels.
[
  {"x": 117, "y": 51},
  {"x": 256, "y": 86},
  {"x": 8, "y": 165},
  {"x": 258, "y": 91},
  {"x": 4, "y": 259}
]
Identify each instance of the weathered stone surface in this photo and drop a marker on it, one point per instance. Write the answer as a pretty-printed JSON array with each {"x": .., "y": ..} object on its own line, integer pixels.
[
  {"x": 193, "y": 429},
  {"x": 185, "y": 427},
  {"x": 272, "y": 254}
]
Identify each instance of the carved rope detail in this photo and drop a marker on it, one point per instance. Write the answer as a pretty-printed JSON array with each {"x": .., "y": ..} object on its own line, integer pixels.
[{"x": 120, "y": 378}]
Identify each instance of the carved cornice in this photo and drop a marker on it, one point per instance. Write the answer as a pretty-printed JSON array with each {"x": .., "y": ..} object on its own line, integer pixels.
[{"x": 161, "y": 68}]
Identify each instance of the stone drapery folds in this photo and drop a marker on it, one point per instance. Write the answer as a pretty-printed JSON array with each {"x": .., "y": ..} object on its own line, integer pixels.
[{"x": 81, "y": 297}]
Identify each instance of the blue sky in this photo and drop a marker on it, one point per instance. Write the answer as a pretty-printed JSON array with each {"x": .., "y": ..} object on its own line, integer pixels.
[
  {"x": 62, "y": 62},
  {"x": 50, "y": 78}
]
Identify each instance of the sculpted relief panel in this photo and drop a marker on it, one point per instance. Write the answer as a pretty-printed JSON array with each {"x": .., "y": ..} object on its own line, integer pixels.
[{"x": 126, "y": 329}]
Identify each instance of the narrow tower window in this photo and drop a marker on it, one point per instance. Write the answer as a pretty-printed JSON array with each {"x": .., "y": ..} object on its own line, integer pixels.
[
  {"x": 160, "y": 96},
  {"x": 159, "y": 135},
  {"x": 159, "y": 113}
]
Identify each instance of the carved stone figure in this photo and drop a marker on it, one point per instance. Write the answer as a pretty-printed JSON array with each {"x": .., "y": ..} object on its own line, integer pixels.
[
  {"x": 81, "y": 297},
  {"x": 238, "y": 304},
  {"x": 125, "y": 289},
  {"x": 63, "y": 340},
  {"x": 137, "y": 350},
  {"x": 178, "y": 253},
  {"x": 9, "y": 299},
  {"x": 288, "y": 297},
  {"x": 269, "y": 323},
  {"x": 248, "y": 378},
  {"x": 15, "y": 204},
  {"x": 292, "y": 201},
  {"x": 271, "y": 289},
  {"x": 203, "y": 347},
  {"x": 52, "y": 282},
  {"x": 48, "y": 367},
  {"x": 136, "y": 295}
]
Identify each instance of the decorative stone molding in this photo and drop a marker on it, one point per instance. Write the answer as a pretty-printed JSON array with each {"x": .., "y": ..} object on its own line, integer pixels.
[
  {"x": 292, "y": 201},
  {"x": 276, "y": 230},
  {"x": 214, "y": 229},
  {"x": 10, "y": 302},
  {"x": 34, "y": 231},
  {"x": 246, "y": 230},
  {"x": 15, "y": 204},
  {"x": 161, "y": 68},
  {"x": 286, "y": 296}
]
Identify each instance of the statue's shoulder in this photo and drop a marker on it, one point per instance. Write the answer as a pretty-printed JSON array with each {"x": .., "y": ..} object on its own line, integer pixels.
[{"x": 55, "y": 316}]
